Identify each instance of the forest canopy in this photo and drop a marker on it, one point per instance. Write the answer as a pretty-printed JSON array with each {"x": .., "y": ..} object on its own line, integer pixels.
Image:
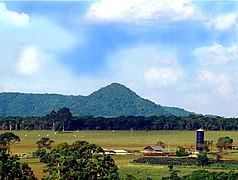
[{"x": 63, "y": 120}]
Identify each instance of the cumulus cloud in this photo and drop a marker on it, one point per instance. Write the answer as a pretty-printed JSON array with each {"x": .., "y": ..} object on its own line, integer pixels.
[
  {"x": 145, "y": 66},
  {"x": 220, "y": 82},
  {"x": 29, "y": 60},
  {"x": 223, "y": 22},
  {"x": 29, "y": 54},
  {"x": 161, "y": 74},
  {"x": 217, "y": 54},
  {"x": 141, "y": 10},
  {"x": 12, "y": 17}
]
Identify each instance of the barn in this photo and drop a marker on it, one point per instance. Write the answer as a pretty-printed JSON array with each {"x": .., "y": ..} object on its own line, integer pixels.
[{"x": 154, "y": 148}]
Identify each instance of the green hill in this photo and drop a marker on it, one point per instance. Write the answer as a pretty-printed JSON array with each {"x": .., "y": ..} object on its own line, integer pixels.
[{"x": 112, "y": 100}]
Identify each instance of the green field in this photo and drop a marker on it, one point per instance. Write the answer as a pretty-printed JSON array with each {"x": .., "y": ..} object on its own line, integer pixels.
[
  {"x": 130, "y": 140},
  {"x": 135, "y": 140}
]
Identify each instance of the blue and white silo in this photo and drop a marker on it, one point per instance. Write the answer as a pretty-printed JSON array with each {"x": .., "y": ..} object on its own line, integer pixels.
[{"x": 200, "y": 140}]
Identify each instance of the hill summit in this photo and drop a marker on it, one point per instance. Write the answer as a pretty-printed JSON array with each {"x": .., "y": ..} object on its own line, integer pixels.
[{"x": 112, "y": 100}]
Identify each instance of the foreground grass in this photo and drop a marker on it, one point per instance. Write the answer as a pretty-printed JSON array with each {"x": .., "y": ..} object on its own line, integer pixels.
[{"x": 155, "y": 172}]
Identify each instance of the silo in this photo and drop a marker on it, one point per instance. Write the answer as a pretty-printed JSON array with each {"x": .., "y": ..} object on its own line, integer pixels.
[{"x": 200, "y": 140}]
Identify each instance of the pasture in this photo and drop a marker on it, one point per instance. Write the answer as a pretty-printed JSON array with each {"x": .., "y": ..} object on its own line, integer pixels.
[{"x": 129, "y": 140}]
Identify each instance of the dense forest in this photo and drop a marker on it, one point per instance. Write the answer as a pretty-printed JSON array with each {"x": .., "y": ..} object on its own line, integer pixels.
[
  {"x": 112, "y": 100},
  {"x": 64, "y": 120}
]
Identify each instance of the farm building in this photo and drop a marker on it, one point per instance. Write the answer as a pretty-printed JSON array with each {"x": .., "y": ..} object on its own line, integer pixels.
[
  {"x": 200, "y": 140},
  {"x": 156, "y": 151},
  {"x": 116, "y": 152},
  {"x": 154, "y": 148}
]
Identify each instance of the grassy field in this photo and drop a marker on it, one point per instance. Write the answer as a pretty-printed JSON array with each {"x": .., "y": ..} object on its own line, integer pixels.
[
  {"x": 135, "y": 140},
  {"x": 130, "y": 140}
]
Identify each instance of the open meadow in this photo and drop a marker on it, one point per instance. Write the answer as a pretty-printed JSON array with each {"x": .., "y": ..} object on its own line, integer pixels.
[{"x": 129, "y": 140}]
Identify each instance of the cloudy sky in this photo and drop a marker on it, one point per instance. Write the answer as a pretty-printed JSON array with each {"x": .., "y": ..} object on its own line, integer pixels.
[{"x": 179, "y": 53}]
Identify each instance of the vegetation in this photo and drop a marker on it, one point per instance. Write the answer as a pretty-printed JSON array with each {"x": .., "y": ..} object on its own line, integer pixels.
[
  {"x": 10, "y": 166},
  {"x": 63, "y": 120},
  {"x": 7, "y": 139},
  {"x": 44, "y": 142},
  {"x": 80, "y": 160},
  {"x": 113, "y": 100},
  {"x": 202, "y": 160},
  {"x": 207, "y": 146},
  {"x": 224, "y": 143},
  {"x": 181, "y": 151},
  {"x": 203, "y": 174},
  {"x": 131, "y": 140}
]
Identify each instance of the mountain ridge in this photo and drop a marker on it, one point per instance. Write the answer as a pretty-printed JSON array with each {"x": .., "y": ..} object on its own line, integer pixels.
[{"x": 112, "y": 100}]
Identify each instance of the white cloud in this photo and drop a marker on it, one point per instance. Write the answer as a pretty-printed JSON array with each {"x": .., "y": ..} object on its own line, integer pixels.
[
  {"x": 29, "y": 60},
  {"x": 141, "y": 10},
  {"x": 221, "y": 83},
  {"x": 223, "y": 22},
  {"x": 12, "y": 17},
  {"x": 208, "y": 76},
  {"x": 217, "y": 54},
  {"x": 145, "y": 66},
  {"x": 162, "y": 75},
  {"x": 29, "y": 55}
]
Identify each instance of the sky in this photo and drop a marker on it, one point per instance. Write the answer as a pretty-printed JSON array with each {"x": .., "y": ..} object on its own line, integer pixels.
[{"x": 179, "y": 53}]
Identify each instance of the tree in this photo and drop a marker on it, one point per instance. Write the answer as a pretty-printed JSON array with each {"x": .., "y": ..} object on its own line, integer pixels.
[
  {"x": 224, "y": 143},
  {"x": 53, "y": 118},
  {"x": 63, "y": 119},
  {"x": 11, "y": 168},
  {"x": 8, "y": 139},
  {"x": 44, "y": 142},
  {"x": 202, "y": 159},
  {"x": 160, "y": 143},
  {"x": 173, "y": 174},
  {"x": 181, "y": 151},
  {"x": 80, "y": 160},
  {"x": 207, "y": 145}
]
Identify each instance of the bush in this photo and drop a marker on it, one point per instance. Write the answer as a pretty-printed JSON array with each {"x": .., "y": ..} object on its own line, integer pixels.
[{"x": 181, "y": 151}]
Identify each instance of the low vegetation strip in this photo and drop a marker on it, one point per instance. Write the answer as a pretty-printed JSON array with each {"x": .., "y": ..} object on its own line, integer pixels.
[{"x": 181, "y": 161}]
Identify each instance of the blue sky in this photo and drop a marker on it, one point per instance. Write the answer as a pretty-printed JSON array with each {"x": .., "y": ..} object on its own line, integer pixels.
[{"x": 179, "y": 53}]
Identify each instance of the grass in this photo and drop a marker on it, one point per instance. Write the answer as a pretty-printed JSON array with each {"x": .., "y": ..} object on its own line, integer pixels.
[
  {"x": 135, "y": 140},
  {"x": 130, "y": 140}
]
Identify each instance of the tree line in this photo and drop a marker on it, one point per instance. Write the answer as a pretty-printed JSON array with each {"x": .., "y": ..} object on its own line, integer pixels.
[{"x": 63, "y": 120}]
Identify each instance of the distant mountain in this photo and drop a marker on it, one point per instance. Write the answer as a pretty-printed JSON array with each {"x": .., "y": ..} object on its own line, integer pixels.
[{"x": 112, "y": 100}]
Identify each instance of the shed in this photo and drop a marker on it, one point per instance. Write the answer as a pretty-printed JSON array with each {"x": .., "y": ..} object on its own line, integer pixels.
[
  {"x": 116, "y": 152},
  {"x": 154, "y": 148},
  {"x": 120, "y": 152}
]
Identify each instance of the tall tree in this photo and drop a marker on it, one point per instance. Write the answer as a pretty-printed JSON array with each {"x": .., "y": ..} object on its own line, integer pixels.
[
  {"x": 10, "y": 166},
  {"x": 8, "y": 138},
  {"x": 202, "y": 159},
  {"x": 63, "y": 119},
  {"x": 44, "y": 142},
  {"x": 80, "y": 160},
  {"x": 224, "y": 143}
]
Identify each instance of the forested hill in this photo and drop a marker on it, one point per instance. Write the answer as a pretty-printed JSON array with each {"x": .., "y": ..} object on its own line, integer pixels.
[{"x": 112, "y": 100}]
